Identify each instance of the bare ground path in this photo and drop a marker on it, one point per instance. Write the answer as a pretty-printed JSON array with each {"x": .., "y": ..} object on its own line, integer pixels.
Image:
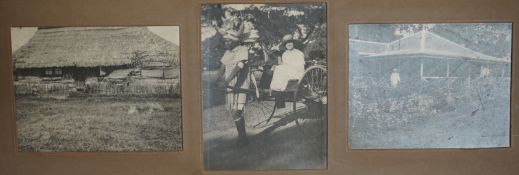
[{"x": 279, "y": 145}]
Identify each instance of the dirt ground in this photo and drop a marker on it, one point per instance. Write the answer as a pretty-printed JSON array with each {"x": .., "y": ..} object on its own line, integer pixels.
[
  {"x": 98, "y": 124},
  {"x": 482, "y": 127},
  {"x": 279, "y": 144},
  {"x": 442, "y": 113}
]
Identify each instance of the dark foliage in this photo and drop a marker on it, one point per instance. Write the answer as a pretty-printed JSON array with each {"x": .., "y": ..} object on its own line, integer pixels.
[{"x": 272, "y": 21}]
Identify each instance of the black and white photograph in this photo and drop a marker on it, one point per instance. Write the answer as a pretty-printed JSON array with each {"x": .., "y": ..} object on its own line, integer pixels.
[
  {"x": 264, "y": 81},
  {"x": 97, "y": 89},
  {"x": 431, "y": 85}
]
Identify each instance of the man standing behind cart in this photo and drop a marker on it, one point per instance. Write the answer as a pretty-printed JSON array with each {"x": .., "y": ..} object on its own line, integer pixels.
[
  {"x": 235, "y": 79},
  {"x": 236, "y": 76}
]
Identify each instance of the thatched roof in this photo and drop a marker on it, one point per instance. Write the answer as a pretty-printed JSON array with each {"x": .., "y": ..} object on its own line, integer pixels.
[{"x": 93, "y": 46}]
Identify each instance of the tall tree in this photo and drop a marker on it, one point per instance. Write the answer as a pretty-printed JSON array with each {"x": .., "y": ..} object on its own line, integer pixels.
[{"x": 273, "y": 21}]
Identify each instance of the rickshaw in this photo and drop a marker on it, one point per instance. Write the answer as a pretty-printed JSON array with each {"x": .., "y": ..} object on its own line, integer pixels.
[{"x": 307, "y": 95}]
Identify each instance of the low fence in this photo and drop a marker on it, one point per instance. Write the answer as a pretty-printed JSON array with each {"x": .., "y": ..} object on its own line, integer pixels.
[
  {"x": 139, "y": 88},
  {"x": 43, "y": 88}
]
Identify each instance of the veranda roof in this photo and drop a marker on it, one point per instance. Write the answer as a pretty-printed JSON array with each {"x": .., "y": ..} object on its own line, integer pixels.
[
  {"x": 423, "y": 43},
  {"x": 92, "y": 47}
]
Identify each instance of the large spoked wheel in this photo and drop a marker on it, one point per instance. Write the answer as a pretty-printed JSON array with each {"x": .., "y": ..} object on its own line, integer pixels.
[
  {"x": 310, "y": 102},
  {"x": 259, "y": 107},
  {"x": 260, "y": 112}
]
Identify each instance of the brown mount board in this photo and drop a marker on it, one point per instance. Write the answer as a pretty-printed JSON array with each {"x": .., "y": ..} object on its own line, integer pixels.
[{"x": 185, "y": 13}]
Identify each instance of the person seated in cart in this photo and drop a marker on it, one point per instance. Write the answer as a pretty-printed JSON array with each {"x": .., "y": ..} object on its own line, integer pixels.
[{"x": 291, "y": 67}]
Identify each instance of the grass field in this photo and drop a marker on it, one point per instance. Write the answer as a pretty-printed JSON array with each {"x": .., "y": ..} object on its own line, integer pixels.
[{"x": 98, "y": 124}]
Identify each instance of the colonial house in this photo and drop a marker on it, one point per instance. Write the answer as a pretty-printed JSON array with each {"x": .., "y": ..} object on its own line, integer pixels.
[
  {"x": 76, "y": 54},
  {"x": 425, "y": 56}
]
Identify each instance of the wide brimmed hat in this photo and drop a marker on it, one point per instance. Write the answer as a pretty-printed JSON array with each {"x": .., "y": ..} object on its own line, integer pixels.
[
  {"x": 252, "y": 36},
  {"x": 293, "y": 41},
  {"x": 288, "y": 37}
]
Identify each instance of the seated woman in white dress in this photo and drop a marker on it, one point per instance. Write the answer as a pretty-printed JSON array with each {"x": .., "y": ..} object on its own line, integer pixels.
[{"x": 291, "y": 67}]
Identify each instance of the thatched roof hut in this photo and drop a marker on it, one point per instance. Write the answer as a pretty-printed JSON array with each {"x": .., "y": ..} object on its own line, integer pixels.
[{"x": 94, "y": 47}]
